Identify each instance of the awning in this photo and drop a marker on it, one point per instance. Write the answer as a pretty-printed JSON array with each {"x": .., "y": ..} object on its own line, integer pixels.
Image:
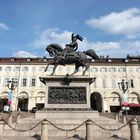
[
  {"x": 131, "y": 105},
  {"x": 125, "y": 104}
]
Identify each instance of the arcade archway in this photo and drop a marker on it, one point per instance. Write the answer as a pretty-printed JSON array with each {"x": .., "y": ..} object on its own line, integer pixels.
[
  {"x": 134, "y": 98},
  {"x": 115, "y": 102},
  {"x": 96, "y": 101},
  {"x": 3, "y": 100},
  {"x": 23, "y": 101}
]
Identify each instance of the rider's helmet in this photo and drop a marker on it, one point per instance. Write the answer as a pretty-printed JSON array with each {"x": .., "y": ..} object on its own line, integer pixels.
[{"x": 75, "y": 37}]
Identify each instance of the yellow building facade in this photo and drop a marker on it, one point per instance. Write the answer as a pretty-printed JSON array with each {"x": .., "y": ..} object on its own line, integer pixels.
[{"x": 105, "y": 94}]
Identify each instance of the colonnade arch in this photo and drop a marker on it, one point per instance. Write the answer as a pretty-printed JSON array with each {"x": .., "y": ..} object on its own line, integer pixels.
[
  {"x": 134, "y": 98},
  {"x": 115, "y": 102},
  {"x": 23, "y": 100},
  {"x": 3, "y": 100},
  {"x": 96, "y": 101}
]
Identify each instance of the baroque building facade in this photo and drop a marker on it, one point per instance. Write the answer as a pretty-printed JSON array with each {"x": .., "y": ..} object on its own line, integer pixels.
[{"x": 105, "y": 95}]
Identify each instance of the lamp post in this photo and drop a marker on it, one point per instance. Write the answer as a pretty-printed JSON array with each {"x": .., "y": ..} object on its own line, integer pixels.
[
  {"x": 124, "y": 87},
  {"x": 12, "y": 86}
]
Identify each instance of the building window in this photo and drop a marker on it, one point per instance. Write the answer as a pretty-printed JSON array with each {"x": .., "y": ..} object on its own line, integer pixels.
[
  {"x": 94, "y": 70},
  {"x": 104, "y": 83},
  {"x": 0, "y": 68},
  {"x": 122, "y": 70},
  {"x": 42, "y": 69},
  {"x": 103, "y": 69},
  {"x": 24, "y": 82},
  {"x": 25, "y": 69},
  {"x": 8, "y": 69},
  {"x": 5, "y": 82},
  {"x": 138, "y": 70},
  {"x": 33, "y": 68},
  {"x": 112, "y": 69},
  {"x": 113, "y": 83},
  {"x": 33, "y": 82},
  {"x": 131, "y": 83},
  {"x": 16, "y": 68}
]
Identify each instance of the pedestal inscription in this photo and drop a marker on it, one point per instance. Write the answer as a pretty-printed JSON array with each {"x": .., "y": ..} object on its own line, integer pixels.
[{"x": 67, "y": 95}]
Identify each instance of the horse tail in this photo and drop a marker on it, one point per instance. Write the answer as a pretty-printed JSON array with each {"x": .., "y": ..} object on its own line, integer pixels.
[{"x": 92, "y": 54}]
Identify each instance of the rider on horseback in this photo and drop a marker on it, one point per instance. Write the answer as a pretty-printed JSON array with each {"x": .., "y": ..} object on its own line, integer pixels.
[{"x": 73, "y": 46}]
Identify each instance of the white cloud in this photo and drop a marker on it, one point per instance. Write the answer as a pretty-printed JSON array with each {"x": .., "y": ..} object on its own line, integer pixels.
[
  {"x": 125, "y": 47},
  {"x": 3, "y": 26},
  {"x": 111, "y": 48},
  {"x": 52, "y": 36},
  {"x": 23, "y": 54},
  {"x": 126, "y": 22},
  {"x": 98, "y": 46},
  {"x": 49, "y": 36}
]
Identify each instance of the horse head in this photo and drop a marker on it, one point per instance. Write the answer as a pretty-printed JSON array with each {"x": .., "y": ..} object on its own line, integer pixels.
[{"x": 54, "y": 49}]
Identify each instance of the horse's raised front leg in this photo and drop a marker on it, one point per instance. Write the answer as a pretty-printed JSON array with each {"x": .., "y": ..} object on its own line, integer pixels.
[
  {"x": 86, "y": 68},
  {"x": 54, "y": 68}
]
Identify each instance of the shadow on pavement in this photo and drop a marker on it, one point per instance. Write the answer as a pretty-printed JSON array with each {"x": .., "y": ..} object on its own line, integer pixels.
[
  {"x": 37, "y": 137},
  {"x": 76, "y": 136},
  {"x": 117, "y": 137}
]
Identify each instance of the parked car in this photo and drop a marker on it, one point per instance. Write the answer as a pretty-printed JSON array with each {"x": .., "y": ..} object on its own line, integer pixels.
[{"x": 34, "y": 109}]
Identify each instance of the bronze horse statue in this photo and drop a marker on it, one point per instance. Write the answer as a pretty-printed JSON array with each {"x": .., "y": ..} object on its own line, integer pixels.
[{"x": 75, "y": 57}]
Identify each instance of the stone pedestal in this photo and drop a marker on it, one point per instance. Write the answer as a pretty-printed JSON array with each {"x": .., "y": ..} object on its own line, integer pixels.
[
  {"x": 67, "y": 96},
  {"x": 67, "y": 104},
  {"x": 67, "y": 92}
]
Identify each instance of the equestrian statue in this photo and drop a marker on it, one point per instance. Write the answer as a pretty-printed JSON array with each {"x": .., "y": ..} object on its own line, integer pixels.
[{"x": 70, "y": 55}]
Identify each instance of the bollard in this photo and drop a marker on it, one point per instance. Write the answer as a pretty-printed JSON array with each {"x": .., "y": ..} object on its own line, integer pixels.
[
  {"x": 134, "y": 135},
  {"x": 44, "y": 130},
  {"x": 124, "y": 121},
  {"x": 1, "y": 128},
  {"x": 10, "y": 119},
  {"x": 89, "y": 130}
]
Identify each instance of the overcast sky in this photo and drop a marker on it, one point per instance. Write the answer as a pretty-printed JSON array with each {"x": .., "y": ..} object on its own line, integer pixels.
[{"x": 110, "y": 27}]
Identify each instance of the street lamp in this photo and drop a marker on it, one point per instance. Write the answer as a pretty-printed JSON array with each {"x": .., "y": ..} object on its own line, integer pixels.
[
  {"x": 124, "y": 87},
  {"x": 12, "y": 86}
]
